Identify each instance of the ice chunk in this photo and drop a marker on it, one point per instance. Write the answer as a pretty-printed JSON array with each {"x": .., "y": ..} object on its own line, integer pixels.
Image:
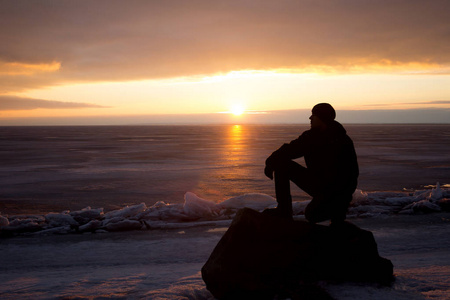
[
  {"x": 197, "y": 207},
  {"x": 86, "y": 214},
  {"x": 92, "y": 225},
  {"x": 425, "y": 206},
  {"x": 4, "y": 221},
  {"x": 299, "y": 207},
  {"x": 112, "y": 220},
  {"x": 163, "y": 211},
  {"x": 57, "y": 220},
  {"x": 436, "y": 193},
  {"x": 160, "y": 204},
  {"x": 255, "y": 201},
  {"x": 397, "y": 201},
  {"x": 422, "y": 195},
  {"x": 359, "y": 197},
  {"x": 126, "y": 212},
  {"x": 433, "y": 195},
  {"x": 168, "y": 213},
  {"x": 23, "y": 225}
]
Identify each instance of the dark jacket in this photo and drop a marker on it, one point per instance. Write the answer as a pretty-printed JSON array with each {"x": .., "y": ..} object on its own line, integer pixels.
[{"x": 329, "y": 155}]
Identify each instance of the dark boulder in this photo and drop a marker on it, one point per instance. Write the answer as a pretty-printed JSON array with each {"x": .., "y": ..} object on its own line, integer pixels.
[{"x": 261, "y": 256}]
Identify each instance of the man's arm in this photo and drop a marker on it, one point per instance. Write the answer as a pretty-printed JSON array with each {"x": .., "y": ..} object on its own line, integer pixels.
[{"x": 294, "y": 149}]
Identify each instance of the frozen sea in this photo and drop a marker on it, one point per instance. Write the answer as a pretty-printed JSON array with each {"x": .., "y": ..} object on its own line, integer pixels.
[
  {"x": 182, "y": 183},
  {"x": 58, "y": 168}
]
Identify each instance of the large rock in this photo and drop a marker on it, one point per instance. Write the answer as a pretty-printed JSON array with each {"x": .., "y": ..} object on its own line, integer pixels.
[{"x": 261, "y": 256}]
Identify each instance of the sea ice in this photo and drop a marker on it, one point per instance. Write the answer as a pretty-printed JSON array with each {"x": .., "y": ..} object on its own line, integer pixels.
[
  {"x": 126, "y": 212},
  {"x": 198, "y": 207},
  {"x": 55, "y": 219},
  {"x": 90, "y": 226},
  {"x": 86, "y": 214},
  {"x": 255, "y": 201},
  {"x": 3, "y": 221},
  {"x": 196, "y": 211}
]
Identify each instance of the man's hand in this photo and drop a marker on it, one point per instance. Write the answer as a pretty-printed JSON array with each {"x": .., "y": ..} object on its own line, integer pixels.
[{"x": 268, "y": 172}]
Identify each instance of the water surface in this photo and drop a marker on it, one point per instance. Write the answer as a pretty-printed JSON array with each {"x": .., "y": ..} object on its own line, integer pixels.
[{"x": 68, "y": 168}]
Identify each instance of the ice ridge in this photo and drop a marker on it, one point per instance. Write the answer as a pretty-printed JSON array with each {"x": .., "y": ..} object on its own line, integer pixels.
[{"x": 196, "y": 211}]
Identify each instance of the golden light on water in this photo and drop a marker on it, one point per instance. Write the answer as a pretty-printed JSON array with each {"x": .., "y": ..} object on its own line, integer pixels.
[
  {"x": 231, "y": 158},
  {"x": 235, "y": 138}
]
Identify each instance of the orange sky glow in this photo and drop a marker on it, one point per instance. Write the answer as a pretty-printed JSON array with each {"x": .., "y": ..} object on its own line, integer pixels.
[{"x": 79, "y": 60}]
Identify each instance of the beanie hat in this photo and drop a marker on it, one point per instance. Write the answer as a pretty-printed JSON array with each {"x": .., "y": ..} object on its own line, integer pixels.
[{"x": 324, "y": 111}]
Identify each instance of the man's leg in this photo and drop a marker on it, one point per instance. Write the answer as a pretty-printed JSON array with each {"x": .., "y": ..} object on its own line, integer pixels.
[
  {"x": 327, "y": 204},
  {"x": 328, "y": 207},
  {"x": 284, "y": 174},
  {"x": 283, "y": 193}
]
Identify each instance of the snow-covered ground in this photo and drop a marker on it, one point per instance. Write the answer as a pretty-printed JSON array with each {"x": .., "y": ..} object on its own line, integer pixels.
[
  {"x": 165, "y": 264},
  {"x": 163, "y": 258}
]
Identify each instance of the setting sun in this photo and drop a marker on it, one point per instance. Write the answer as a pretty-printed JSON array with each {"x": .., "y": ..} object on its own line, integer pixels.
[{"x": 237, "y": 110}]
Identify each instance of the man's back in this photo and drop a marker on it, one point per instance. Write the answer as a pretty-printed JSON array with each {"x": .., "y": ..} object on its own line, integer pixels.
[{"x": 331, "y": 156}]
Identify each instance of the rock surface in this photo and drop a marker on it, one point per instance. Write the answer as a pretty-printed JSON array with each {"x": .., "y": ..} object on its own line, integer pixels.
[{"x": 262, "y": 256}]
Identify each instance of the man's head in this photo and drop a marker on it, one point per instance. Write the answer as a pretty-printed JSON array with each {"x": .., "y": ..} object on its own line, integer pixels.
[{"x": 322, "y": 114}]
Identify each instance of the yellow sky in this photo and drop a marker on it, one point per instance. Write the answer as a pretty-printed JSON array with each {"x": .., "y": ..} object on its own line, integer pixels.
[{"x": 254, "y": 91}]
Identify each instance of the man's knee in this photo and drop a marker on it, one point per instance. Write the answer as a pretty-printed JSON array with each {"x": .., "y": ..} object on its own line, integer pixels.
[{"x": 284, "y": 166}]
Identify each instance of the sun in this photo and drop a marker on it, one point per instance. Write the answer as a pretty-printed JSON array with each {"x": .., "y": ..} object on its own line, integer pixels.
[{"x": 237, "y": 109}]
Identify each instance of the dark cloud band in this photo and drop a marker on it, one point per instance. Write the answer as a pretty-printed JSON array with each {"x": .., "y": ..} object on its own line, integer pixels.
[
  {"x": 129, "y": 40},
  {"x": 19, "y": 103}
]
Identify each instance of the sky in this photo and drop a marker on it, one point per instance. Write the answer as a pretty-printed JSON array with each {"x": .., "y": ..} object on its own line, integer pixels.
[{"x": 155, "y": 62}]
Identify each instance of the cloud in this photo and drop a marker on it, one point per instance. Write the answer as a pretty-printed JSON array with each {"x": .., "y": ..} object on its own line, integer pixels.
[
  {"x": 129, "y": 40},
  {"x": 431, "y": 102},
  {"x": 396, "y": 116},
  {"x": 437, "y": 102},
  {"x": 13, "y": 69},
  {"x": 19, "y": 103}
]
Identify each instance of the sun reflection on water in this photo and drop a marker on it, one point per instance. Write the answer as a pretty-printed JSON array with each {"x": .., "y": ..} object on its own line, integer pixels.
[
  {"x": 230, "y": 175},
  {"x": 235, "y": 137}
]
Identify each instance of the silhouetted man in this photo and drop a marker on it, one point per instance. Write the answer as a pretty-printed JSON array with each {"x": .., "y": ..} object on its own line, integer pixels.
[{"x": 331, "y": 172}]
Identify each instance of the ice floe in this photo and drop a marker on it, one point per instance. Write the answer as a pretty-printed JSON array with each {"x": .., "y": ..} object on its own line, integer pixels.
[{"x": 196, "y": 211}]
